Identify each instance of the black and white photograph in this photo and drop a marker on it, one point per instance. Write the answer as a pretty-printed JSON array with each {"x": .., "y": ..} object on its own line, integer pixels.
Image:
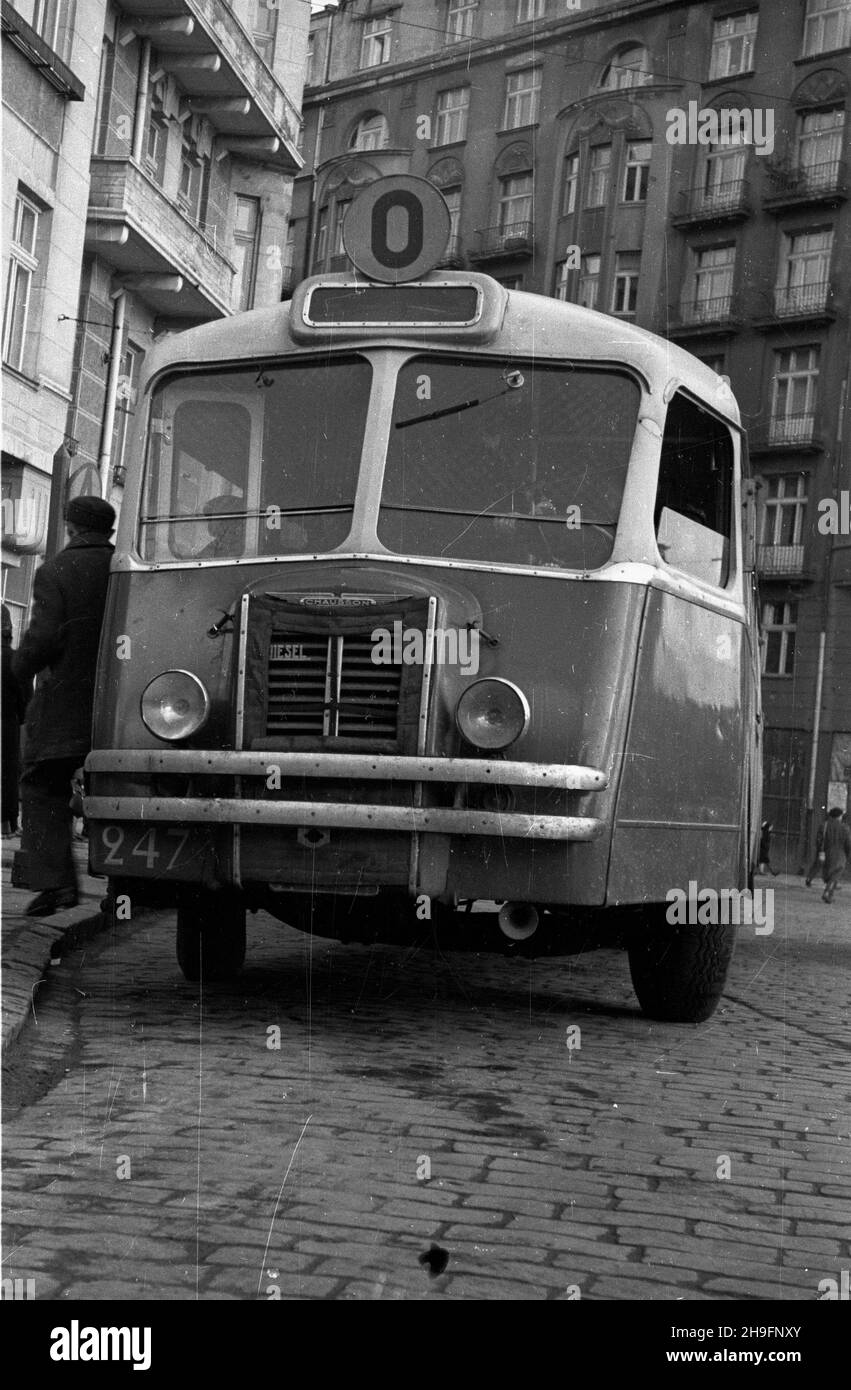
[{"x": 426, "y": 709}]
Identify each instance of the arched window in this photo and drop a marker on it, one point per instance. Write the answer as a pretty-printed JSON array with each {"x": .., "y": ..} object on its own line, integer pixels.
[
  {"x": 371, "y": 132},
  {"x": 627, "y": 67}
]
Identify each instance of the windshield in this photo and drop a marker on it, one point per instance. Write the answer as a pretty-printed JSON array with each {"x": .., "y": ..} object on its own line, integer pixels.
[
  {"x": 255, "y": 462},
  {"x": 505, "y": 462}
]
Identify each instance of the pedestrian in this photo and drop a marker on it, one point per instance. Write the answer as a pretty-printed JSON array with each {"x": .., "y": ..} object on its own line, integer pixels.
[
  {"x": 14, "y": 703},
  {"x": 837, "y": 848},
  {"x": 818, "y": 857},
  {"x": 764, "y": 864},
  {"x": 61, "y": 645}
]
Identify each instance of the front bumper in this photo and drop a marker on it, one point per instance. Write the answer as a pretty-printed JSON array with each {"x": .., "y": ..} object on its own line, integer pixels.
[{"x": 355, "y": 767}]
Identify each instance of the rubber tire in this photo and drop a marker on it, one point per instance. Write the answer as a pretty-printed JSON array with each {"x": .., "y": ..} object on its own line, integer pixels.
[
  {"x": 679, "y": 972},
  {"x": 210, "y": 937}
]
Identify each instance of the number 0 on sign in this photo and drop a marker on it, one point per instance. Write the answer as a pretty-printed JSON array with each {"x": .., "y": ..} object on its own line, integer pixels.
[{"x": 397, "y": 229}]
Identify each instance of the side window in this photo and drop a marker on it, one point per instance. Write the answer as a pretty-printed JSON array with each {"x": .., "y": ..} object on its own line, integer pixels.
[{"x": 693, "y": 513}]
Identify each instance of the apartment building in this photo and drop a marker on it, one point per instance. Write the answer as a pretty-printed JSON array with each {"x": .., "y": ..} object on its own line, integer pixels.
[
  {"x": 589, "y": 151},
  {"x": 150, "y": 147}
]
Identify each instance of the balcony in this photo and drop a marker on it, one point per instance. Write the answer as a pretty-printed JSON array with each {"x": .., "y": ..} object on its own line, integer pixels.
[
  {"x": 807, "y": 184},
  {"x": 727, "y": 202},
  {"x": 511, "y": 240},
  {"x": 212, "y": 57},
  {"x": 702, "y": 317},
  {"x": 780, "y": 561},
  {"x": 133, "y": 226},
  {"x": 786, "y": 432}
]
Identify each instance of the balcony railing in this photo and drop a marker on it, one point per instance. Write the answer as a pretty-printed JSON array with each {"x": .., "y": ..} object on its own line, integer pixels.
[
  {"x": 726, "y": 202},
  {"x": 694, "y": 316},
  {"x": 798, "y": 431},
  {"x": 794, "y": 300},
  {"x": 780, "y": 560},
  {"x": 807, "y": 183},
  {"x": 512, "y": 239}
]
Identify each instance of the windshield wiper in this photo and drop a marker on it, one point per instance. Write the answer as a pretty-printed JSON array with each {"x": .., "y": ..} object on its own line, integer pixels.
[
  {"x": 438, "y": 414},
  {"x": 454, "y": 409}
]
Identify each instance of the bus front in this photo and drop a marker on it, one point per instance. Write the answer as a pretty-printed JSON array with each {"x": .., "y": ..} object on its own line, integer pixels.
[{"x": 368, "y": 653}]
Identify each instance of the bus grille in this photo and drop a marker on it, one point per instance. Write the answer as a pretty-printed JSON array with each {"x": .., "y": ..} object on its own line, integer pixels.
[{"x": 329, "y": 687}]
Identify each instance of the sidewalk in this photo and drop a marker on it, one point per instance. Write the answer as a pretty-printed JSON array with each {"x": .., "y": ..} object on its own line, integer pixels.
[{"x": 30, "y": 943}]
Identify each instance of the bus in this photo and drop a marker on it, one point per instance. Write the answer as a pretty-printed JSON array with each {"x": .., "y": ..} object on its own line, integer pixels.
[{"x": 432, "y": 618}]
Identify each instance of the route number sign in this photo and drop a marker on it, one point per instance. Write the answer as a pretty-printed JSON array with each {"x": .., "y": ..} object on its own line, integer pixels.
[{"x": 396, "y": 229}]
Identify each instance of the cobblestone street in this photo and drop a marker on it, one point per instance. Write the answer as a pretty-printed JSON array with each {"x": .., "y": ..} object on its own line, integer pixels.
[{"x": 171, "y": 1150}]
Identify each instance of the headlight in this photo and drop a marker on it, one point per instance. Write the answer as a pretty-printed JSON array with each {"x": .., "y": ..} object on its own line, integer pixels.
[
  {"x": 175, "y": 705},
  {"x": 492, "y": 713}
]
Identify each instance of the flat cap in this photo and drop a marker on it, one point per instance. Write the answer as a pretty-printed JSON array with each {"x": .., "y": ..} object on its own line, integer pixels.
[{"x": 91, "y": 514}]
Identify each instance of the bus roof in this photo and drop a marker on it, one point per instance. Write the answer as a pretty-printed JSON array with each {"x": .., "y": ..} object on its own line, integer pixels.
[{"x": 530, "y": 325}]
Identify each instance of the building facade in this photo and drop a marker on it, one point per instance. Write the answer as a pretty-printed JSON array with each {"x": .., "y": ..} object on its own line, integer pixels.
[
  {"x": 150, "y": 148},
  {"x": 681, "y": 166}
]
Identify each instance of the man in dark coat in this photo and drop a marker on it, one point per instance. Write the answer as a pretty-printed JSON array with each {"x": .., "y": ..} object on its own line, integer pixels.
[{"x": 69, "y": 597}]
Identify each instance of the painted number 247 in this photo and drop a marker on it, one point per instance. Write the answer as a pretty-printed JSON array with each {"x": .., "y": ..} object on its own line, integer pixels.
[{"x": 145, "y": 848}]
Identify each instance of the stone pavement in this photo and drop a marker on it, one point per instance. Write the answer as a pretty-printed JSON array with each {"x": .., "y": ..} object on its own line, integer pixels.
[
  {"x": 29, "y": 944},
  {"x": 312, "y": 1130}
]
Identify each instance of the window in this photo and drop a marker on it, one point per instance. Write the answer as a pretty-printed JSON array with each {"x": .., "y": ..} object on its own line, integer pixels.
[
  {"x": 784, "y": 510},
  {"x": 246, "y": 240},
  {"x": 779, "y": 624},
  {"x": 628, "y": 68},
  {"x": 125, "y": 408},
  {"x": 724, "y": 175},
  {"x": 716, "y": 362},
  {"x": 515, "y": 205},
  {"x": 820, "y": 145},
  {"x": 309, "y": 74},
  {"x": 636, "y": 171},
  {"x": 375, "y": 44},
  {"x": 46, "y": 20},
  {"x": 713, "y": 284},
  {"x": 321, "y": 245},
  {"x": 693, "y": 513},
  {"x": 589, "y": 282},
  {"x": 528, "y": 10},
  {"x": 264, "y": 27},
  {"x": 510, "y": 282},
  {"x": 522, "y": 90},
  {"x": 452, "y": 198},
  {"x": 571, "y": 183},
  {"x": 625, "y": 292},
  {"x": 340, "y": 210},
  {"x": 102, "y": 113},
  {"x": 371, "y": 132},
  {"x": 562, "y": 279},
  {"x": 827, "y": 25},
  {"x": 156, "y": 141},
  {"x": 210, "y": 489},
  {"x": 451, "y": 120},
  {"x": 191, "y": 180},
  {"x": 732, "y": 44},
  {"x": 494, "y": 482},
  {"x": 598, "y": 177},
  {"x": 805, "y": 273},
  {"x": 795, "y": 395},
  {"x": 22, "y": 269},
  {"x": 460, "y": 18}
]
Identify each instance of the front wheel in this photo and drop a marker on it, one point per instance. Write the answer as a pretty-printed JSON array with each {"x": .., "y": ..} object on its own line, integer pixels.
[
  {"x": 210, "y": 937},
  {"x": 679, "y": 972}
]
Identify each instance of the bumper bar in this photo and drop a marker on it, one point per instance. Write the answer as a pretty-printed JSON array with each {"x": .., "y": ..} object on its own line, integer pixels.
[
  {"x": 440, "y": 821},
  {"x": 370, "y": 767}
]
